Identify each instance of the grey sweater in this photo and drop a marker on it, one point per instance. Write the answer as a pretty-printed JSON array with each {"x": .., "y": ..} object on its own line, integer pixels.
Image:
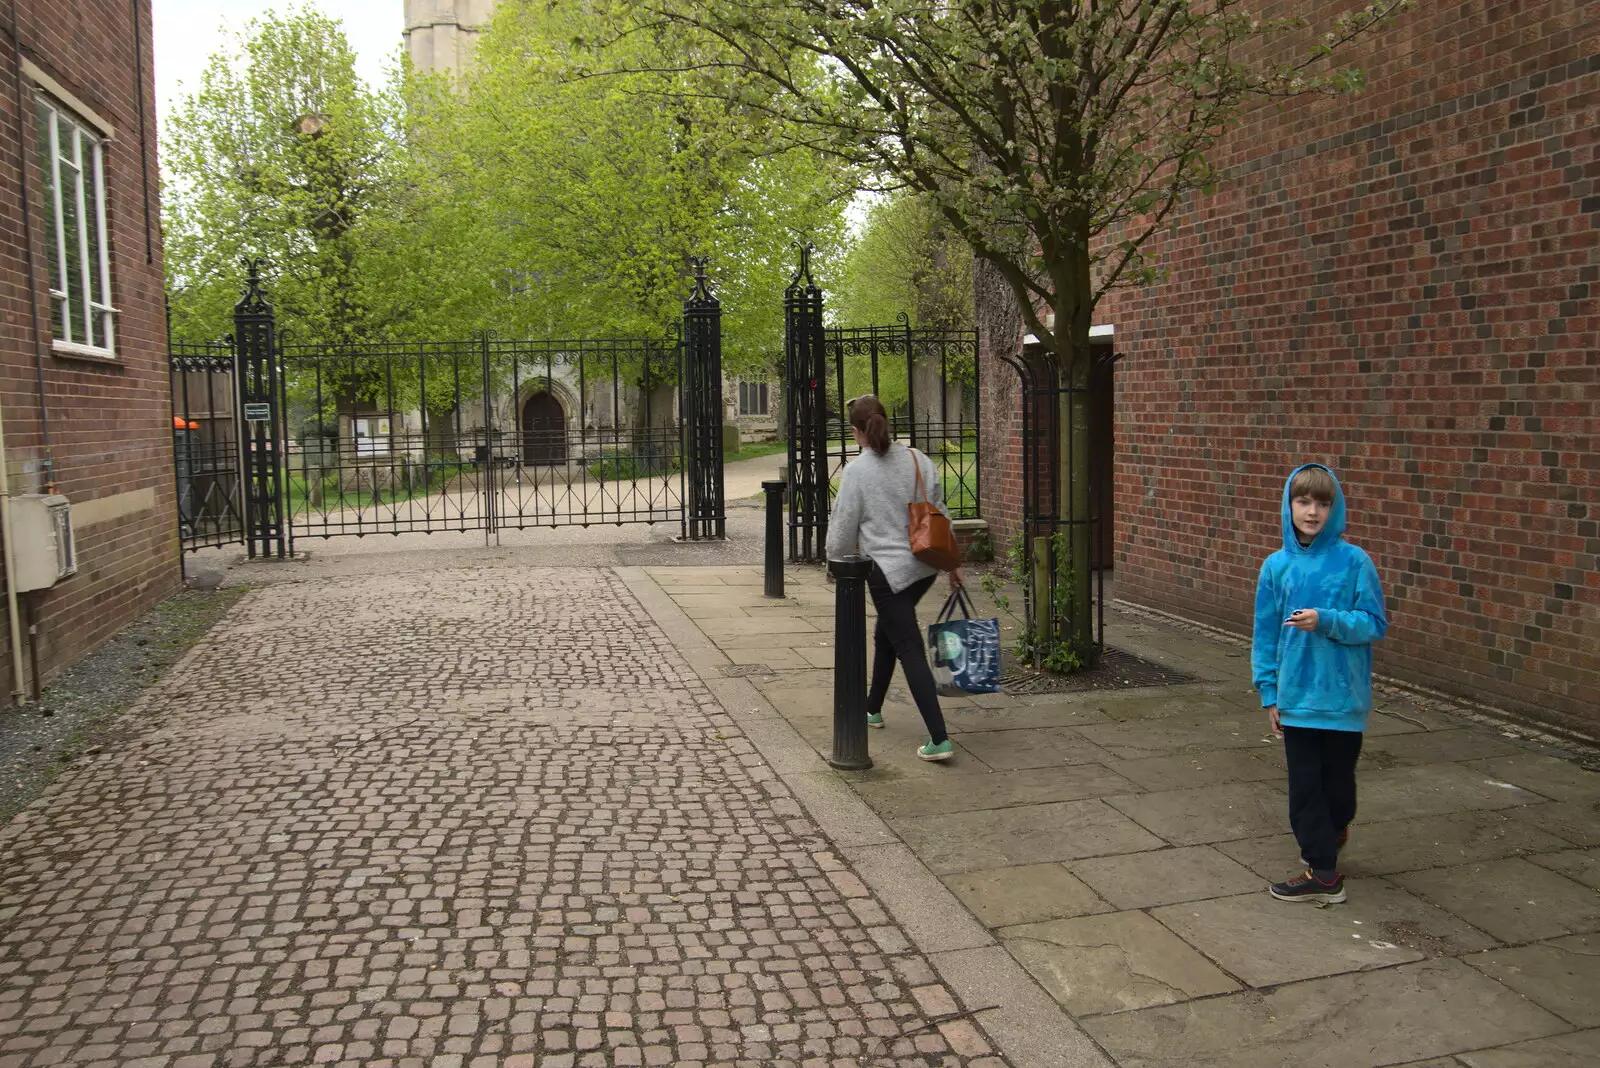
[{"x": 870, "y": 512}]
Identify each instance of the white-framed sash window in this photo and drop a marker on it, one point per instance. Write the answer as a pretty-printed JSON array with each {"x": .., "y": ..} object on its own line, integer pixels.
[{"x": 82, "y": 317}]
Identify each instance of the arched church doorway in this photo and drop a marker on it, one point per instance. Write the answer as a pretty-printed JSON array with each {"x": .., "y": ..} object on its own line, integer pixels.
[{"x": 544, "y": 430}]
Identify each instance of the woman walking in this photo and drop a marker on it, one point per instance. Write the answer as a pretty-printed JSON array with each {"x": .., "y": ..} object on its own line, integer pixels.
[{"x": 870, "y": 513}]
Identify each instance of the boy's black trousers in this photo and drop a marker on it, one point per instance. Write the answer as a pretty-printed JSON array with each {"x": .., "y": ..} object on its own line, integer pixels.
[{"x": 1322, "y": 790}]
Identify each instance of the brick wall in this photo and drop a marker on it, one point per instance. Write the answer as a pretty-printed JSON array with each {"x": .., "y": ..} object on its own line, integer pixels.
[
  {"x": 109, "y": 436},
  {"x": 1404, "y": 286}
]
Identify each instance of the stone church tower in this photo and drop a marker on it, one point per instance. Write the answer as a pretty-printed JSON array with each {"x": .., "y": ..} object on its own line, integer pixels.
[{"x": 441, "y": 34}]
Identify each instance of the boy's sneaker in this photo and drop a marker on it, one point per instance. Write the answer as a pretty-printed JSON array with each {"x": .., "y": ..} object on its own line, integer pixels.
[
  {"x": 942, "y": 751},
  {"x": 1308, "y": 887},
  {"x": 875, "y": 719}
]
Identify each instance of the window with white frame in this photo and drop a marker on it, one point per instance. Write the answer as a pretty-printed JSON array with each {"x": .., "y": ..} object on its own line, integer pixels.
[
  {"x": 752, "y": 398},
  {"x": 73, "y": 158}
]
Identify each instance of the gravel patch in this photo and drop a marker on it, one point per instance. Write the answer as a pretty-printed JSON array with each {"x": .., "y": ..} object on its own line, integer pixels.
[{"x": 75, "y": 716}]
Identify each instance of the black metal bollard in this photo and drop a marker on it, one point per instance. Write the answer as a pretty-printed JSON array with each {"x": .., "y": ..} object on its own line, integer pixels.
[
  {"x": 850, "y": 663},
  {"x": 774, "y": 553}
]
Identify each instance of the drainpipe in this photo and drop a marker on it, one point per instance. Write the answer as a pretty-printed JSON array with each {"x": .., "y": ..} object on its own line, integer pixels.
[{"x": 19, "y": 693}]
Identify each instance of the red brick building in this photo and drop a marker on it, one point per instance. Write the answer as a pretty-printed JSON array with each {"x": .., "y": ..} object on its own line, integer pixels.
[
  {"x": 1406, "y": 286},
  {"x": 83, "y": 367}
]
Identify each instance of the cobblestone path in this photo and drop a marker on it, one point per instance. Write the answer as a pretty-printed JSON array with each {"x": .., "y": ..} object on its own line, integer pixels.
[{"x": 466, "y": 817}]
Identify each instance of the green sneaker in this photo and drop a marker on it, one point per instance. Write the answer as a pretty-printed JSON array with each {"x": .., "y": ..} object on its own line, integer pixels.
[
  {"x": 875, "y": 719},
  {"x": 943, "y": 751}
]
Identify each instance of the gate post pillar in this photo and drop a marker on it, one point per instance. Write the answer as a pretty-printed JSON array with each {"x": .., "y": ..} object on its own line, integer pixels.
[
  {"x": 700, "y": 395},
  {"x": 805, "y": 408},
  {"x": 260, "y": 442}
]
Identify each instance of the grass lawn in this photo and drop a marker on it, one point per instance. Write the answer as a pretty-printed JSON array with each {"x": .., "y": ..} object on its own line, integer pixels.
[
  {"x": 958, "y": 476},
  {"x": 755, "y": 450}
]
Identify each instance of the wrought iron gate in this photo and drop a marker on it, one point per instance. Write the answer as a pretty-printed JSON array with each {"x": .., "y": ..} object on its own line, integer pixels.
[
  {"x": 205, "y": 444},
  {"x": 482, "y": 434},
  {"x": 1065, "y": 523},
  {"x": 927, "y": 379}
]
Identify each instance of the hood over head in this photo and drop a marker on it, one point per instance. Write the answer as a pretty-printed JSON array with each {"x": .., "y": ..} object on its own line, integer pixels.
[{"x": 1331, "y": 531}]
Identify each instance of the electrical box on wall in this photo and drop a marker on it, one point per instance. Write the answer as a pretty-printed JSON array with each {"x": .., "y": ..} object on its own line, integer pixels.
[{"x": 41, "y": 539}]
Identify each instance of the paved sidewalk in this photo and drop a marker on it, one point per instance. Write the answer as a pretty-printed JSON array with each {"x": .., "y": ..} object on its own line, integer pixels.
[
  {"x": 1119, "y": 845},
  {"x": 444, "y": 816}
]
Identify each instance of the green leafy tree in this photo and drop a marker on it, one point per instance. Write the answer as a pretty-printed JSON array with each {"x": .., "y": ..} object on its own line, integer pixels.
[
  {"x": 281, "y": 153},
  {"x": 1055, "y": 137},
  {"x": 544, "y": 202},
  {"x": 907, "y": 262}
]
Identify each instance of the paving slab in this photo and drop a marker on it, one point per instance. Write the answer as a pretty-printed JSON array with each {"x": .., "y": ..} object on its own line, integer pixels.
[
  {"x": 1266, "y": 942},
  {"x": 1513, "y": 900},
  {"x": 1579, "y": 865},
  {"x": 1380, "y": 725},
  {"x": 1209, "y": 813},
  {"x": 1165, "y": 876},
  {"x": 1040, "y": 747},
  {"x": 1028, "y": 893},
  {"x": 1562, "y": 975},
  {"x": 1113, "y": 963},
  {"x": 1169, "y": 702},
  {"x": 1206, "y": 768},
  {"x": 1577, "y": 822},
  {"x": 1581, "y": 1049},
  {"x": 1007, "y": 837},
  {"x": 1557, "y": 779},
  {"x": 1434, "y": 747},
  {"x": 962, "y": 790},
  {"x": 1021, "y": 1017},
  {"x": 1016, "y": 715},
  {"x": 1432, "y": 790},
  {"x": 1394, "y": 1015},
  {"x": 1136, "y": 739},
  {"x": 754, "y": 626},
  {"x": 929, "y": 914},
  {"x": 1404, "y": 845}
]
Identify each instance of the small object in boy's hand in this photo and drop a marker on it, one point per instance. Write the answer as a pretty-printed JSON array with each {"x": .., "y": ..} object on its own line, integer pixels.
[{"x": 1290, "y": 620}]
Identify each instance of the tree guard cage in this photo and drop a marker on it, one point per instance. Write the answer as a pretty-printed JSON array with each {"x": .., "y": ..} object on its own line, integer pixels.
[{"x": 1063, "y": 521}]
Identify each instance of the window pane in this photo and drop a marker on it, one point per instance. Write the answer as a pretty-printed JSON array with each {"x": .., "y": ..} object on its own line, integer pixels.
[
  {"x": 47, "y": 165},
  {"x": 102, "y": 329},
  {"x": 91, "y": 221},
  {"x": 71, "y": 192},
  {"x": 763, "y": 408}
]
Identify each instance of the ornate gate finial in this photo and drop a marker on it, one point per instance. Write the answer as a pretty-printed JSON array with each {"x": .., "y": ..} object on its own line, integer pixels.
[
  {"x": 804, "y": 272},
  {"x": 254, "y": 299},
  {"x": 701, "y": 293}
]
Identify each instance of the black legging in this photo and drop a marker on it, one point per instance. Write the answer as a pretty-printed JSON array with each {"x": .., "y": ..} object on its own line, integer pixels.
[{"x": 897, "y": 637}]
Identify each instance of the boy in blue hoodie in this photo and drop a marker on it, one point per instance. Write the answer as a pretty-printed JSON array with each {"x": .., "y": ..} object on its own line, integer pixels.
[{"x": 1319, "y": 608}]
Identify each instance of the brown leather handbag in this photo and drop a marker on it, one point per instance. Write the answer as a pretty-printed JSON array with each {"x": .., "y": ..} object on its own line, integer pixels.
[{"x": 932, "y": 540}]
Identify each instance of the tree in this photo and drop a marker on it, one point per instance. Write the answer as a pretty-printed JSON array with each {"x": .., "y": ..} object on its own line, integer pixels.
[
  {"x": 1055, "y": 137},
  {"x": 907, "y": 262},
  {"x": 281, "y": 154},
  {"x": 545, "y": 203}
]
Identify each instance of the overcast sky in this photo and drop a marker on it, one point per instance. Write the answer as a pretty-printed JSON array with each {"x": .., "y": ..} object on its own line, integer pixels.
[{"x": 187, "y": 32}]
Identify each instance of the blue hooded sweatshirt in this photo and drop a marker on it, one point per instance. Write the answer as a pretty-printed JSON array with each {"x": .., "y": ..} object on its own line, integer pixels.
[{"x": 1320, "y": 678}]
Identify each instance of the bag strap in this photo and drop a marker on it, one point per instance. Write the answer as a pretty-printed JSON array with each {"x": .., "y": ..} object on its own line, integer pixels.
[
  {"x": 920, "y": 493},
  {"x": 951, "y": 603}
]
